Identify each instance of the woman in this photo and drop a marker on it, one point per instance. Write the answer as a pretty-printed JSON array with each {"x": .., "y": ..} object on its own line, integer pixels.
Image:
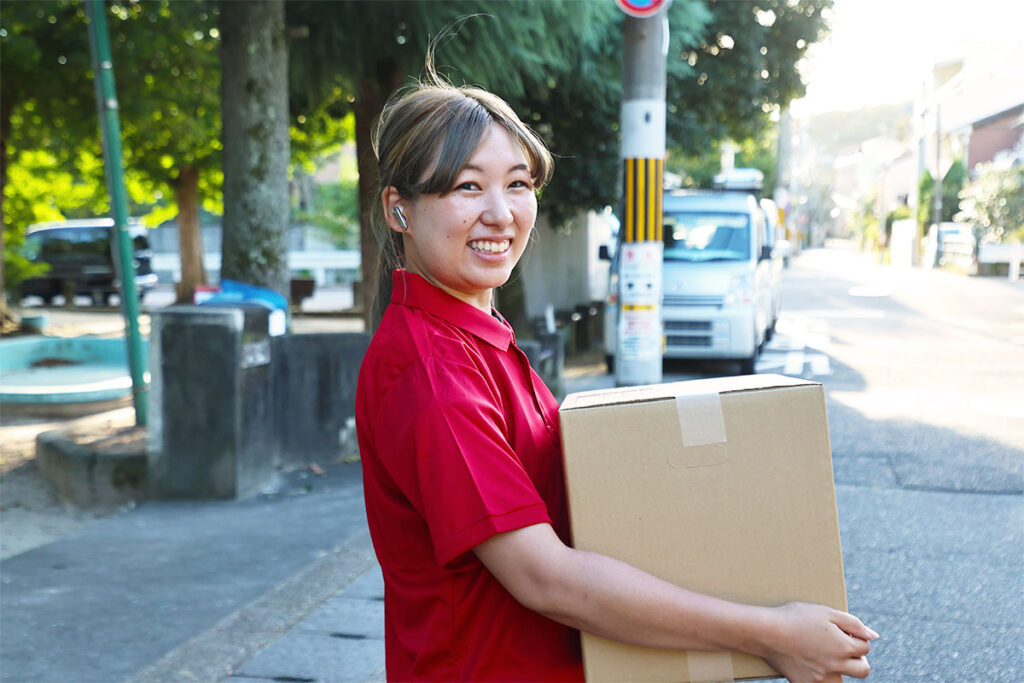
[{"x": 460, "y": 444}]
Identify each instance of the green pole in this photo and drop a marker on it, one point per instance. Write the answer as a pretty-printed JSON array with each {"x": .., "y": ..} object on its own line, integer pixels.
[{"x": 110, "y": 129}]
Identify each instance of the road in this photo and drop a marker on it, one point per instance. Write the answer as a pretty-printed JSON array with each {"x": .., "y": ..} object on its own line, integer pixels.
[
  {"x": 924, "y": 377},
  {"x": 923, "y": 367}
]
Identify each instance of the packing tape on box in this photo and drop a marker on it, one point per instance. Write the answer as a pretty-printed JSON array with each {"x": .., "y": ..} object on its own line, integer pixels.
[
  {"x": 705, "y": 667},
  {"x": 700, "y": 419}
]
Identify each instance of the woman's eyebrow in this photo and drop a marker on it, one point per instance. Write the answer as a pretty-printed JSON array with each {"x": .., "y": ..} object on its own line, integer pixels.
[{"x": 517, "y": 167}]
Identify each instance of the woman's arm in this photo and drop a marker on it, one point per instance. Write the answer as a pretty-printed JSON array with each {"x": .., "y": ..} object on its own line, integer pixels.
[{"x": 612, "y": 599}]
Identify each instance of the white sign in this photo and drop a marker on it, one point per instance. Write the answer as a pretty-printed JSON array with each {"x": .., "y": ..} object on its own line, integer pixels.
[{"x": 640, "y": 273}]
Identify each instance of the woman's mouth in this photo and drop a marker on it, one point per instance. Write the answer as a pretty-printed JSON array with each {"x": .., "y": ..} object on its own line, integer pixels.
[{"x": 490, "y": 246}]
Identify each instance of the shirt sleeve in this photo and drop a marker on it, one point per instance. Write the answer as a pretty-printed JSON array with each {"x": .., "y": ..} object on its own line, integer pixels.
[{"x": 443, "y": 439}]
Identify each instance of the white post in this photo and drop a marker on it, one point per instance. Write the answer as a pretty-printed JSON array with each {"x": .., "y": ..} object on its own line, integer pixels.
[{"x": 640, "y": 347}]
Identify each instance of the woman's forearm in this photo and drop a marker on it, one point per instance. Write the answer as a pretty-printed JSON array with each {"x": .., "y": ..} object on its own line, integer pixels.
[{"x": 612, "y": 599}]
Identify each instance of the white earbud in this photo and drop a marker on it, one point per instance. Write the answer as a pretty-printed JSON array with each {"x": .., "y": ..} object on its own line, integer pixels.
[{"x": 401, "y": 217}]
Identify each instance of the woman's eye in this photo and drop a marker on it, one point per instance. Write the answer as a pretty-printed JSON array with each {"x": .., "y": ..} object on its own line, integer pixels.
[
  {"x": 467, "y": 186},
  {"x": 521, "y": 184}
]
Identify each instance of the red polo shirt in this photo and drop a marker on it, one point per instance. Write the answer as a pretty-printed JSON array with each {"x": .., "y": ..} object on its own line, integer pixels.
[{"x": 459, "y": 441}]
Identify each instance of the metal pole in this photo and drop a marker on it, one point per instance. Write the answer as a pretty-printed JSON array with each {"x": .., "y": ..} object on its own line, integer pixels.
[
  {"x": 937, "y": 198},
  {"x": 641, "y": 342},
  {"x": 110, "y": 130}
]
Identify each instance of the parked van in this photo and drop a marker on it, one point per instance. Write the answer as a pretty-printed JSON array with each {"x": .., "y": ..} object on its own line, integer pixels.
[
  {"x": 717, "y": 280},
  {"x": 81, "y": 257}
]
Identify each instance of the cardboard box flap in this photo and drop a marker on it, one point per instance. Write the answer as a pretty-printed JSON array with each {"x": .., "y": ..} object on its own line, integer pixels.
[{"x": 658, "y": 392}]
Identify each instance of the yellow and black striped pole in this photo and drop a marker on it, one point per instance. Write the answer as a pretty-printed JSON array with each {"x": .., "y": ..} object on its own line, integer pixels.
[{"x": 640, "y": 340}]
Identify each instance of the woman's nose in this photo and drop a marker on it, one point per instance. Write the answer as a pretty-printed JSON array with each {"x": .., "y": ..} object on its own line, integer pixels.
[{"x": 498, "y": 210}]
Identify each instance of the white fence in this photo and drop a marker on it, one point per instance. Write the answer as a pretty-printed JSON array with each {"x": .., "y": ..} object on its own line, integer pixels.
[
  {"x": 1011, "y": 253},
  {"x": 328, "y": 266}
]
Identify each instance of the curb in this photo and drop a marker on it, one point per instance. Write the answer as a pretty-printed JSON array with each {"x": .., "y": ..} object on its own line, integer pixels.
[
  {"x": 214, "y": 654},
  {"x": 86, "y": 477}
]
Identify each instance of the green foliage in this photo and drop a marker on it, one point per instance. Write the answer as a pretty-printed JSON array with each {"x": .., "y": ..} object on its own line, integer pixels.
[
  {"x": 993, "y": 203},
  {"x": 559, "y": 64},
  {"x": 865, "y": 223},
  {"x": 167, "y": 74},
  {"x": 699, "y": 170},
  {"x": 952, "y": 183},
  {"x": 337, "y": 206},
  {"x": 739, "y": 70}
]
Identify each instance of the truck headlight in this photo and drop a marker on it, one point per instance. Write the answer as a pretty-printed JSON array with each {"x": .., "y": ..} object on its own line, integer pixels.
[{"x": 741, "y": 291}]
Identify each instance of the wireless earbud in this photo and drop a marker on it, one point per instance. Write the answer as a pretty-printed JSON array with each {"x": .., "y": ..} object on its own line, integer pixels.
[{"x": 401, "y": 217}]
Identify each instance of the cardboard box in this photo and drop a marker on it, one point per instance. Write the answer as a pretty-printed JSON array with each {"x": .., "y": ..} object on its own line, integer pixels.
[{"x": 723, "y": 486}]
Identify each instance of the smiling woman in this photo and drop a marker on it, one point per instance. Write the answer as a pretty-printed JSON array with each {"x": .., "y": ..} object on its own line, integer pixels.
[
  {"x": 462, "y": 171},
  {"x": 460, "y": 445},
  {"x": 466, "y": 240}
]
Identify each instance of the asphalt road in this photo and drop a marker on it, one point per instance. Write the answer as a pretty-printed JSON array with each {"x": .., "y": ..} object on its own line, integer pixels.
[{"x": 924, "y": 377}]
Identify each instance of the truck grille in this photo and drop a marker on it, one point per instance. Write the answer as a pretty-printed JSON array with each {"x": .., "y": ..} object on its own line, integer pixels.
[
  {"x": 672, "y": 300},
  {"x": 687, "y": 325},
  {"x": 698, "y": 340}
]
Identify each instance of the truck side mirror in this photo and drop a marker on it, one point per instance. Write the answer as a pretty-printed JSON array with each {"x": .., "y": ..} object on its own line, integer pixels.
[
  {"x": 766, "y": 252},
  {"x": 603, "y": 253}
]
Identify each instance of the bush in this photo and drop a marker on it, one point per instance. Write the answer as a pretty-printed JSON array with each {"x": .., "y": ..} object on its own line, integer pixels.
[{"x": 993, "y": 204}]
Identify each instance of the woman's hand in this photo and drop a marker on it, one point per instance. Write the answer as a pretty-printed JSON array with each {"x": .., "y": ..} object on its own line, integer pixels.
[{"x": 817, "y": 643}]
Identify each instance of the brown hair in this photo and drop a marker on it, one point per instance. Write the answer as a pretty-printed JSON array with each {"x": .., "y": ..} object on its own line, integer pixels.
[{"x": 440, "y": 125}]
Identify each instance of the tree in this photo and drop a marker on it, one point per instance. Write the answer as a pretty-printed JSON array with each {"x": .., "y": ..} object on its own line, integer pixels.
[
  {"x": 255, "y": 139},
  {"x": 45, "y": 54},
  {"x": 742, "y": 67},
  {"x": 559, "y": 65},
  {"x": 168, "y": 74},
  {"x": 522, "y": 47},
  {"x": 952, "y": 183},
  {"x": 172, "y": 142},
  {"x": 992, "y": 202}
]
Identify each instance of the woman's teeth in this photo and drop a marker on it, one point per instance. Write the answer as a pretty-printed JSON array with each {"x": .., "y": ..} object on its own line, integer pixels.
[{"x": 489, "y": 247}]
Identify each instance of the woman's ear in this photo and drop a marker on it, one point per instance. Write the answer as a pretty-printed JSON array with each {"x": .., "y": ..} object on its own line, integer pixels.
[{"x": 392, "y": 203}]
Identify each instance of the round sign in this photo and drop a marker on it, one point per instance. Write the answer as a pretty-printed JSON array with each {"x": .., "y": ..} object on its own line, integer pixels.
[{"x": 641, "y": 8}]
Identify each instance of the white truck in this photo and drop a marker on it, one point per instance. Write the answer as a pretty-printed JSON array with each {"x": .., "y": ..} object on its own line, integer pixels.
[{"x": 719, "y": 280}]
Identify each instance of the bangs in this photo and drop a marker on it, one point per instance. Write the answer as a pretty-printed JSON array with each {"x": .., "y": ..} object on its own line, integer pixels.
[{"x": 465, "y": 123}]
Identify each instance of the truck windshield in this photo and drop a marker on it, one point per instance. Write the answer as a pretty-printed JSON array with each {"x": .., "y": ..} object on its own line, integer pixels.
[{"x": 693, "y": 236}]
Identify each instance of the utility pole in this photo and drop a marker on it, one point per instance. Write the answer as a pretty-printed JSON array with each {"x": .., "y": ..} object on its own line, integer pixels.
[
  {"x": 640, "y": 347},
  {"x": 937, "y": 197},
  {"x": 110, "y": 129}
]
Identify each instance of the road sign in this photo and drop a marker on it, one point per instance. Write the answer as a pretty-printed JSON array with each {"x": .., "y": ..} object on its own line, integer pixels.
[{"x": 641, "y": 8}]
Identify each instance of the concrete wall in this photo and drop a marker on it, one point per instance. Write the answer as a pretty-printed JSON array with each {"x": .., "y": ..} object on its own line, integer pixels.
[
  {"x": 231, "y": 405},
  {"x": 315, "y": 395},
  {"x": 561, "y": 267}
]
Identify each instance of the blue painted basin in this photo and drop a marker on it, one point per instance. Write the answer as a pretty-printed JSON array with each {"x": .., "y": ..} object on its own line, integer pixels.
[{"x": 49, "y": 370}]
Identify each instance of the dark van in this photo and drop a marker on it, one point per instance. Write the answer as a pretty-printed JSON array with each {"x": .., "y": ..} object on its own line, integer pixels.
[{"x": 81, "y": 256}]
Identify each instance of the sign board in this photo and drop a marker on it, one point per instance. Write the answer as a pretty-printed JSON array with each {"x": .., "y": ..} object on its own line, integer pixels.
[{"x": 641, "y": 9}]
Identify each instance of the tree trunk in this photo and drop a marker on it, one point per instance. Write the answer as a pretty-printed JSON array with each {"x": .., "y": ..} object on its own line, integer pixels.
[
  {"x": 367, "y": 109},
  {"x": 190, "y": 242},
  {"x": 254, "y": 110},
  {"x": 5, "y": 134},
  {"x": 373, "y": 92}
]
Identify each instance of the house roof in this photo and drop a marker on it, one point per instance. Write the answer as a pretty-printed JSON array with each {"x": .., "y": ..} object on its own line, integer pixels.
[{"x": 1016, "y": 110}]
